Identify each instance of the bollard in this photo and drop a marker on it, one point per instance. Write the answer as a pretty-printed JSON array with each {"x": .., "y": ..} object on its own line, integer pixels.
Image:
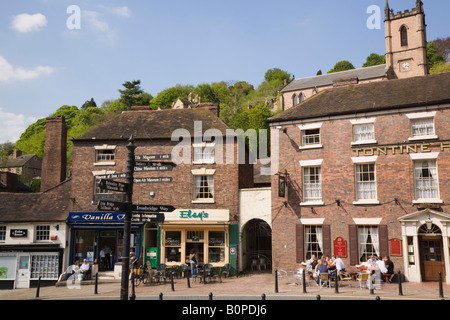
[
  {"x": 171, "y": 281},
  {"x": 336, "y": 284},
  {"x": 96, "y": 284},
  {"x": 276, "y": 280},
  {"x": 38, "y": 287},
  {"x": 188, "y": 280},
  {"x": 210, "y": 296},
  {"x": 400, "y": 290},
  {"x": 263, "y": 296},
  {"x": 160, "y": 296},
  {"x": 441, "y": 290},
  {"x": 377, "y": 298},
  {"x": 318, "y": 297},
  {"x": 132, "y": 295},
  {"x": 371, "y": 291},
  {"x": 304, "y": 281}
]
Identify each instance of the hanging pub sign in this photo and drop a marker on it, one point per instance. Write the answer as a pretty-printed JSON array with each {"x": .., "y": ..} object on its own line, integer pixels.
[
  {"x": 281, "y": 186},
  {"x": 340, "y": 247}
]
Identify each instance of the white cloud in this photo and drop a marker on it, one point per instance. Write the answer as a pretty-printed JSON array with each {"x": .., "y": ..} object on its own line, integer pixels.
[
  {"x": 25, "y": 22},
  {"x": 121, "y": 11},
  {"x": 13, "y": 125},
  {"x": 93, "y": 18},
  {"x": 8, "y": 73}
]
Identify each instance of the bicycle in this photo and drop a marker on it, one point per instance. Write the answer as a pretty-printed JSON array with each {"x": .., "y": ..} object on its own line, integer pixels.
[{"x": 139, "y": 275}]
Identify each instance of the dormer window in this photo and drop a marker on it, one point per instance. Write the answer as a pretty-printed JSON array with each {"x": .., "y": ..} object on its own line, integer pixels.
[{"x": 105, "y": 155}]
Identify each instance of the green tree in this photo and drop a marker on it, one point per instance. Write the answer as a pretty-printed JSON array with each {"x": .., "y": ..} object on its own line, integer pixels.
[
  {"x": 276, "y": 74},
  {"x": 167, "y": 97},
  {"x": 88, "y": 104},
  {"x": 374, "y": 59},
  {"x": 206, "y": 93},
  {"x": 342, "y": 66},
  {"x": 131, "y": 92},
  {"x": 434, "y": 56}
]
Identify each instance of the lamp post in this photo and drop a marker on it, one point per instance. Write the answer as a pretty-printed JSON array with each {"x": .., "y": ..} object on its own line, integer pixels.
[{"x": 127, "y": 224}]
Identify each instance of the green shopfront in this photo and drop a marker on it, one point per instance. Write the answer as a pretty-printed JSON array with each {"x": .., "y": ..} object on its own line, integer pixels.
[
  {"x": 208, "y": 232},
  {"x": 92, "y": 232}
]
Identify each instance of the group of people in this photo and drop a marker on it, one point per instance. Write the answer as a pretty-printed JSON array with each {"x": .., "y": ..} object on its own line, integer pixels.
[
  {"x": 385, "y": 266},
  {"x": 331, "y": 265},
  {"x": 324, "y": 265},
  {"x": 81, "y": 269}
]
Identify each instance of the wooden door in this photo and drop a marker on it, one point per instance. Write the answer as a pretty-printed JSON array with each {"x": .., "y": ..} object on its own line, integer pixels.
[{"x": 432, "y": 258}]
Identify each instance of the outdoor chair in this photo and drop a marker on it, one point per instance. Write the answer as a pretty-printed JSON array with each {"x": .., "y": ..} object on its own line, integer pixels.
[
  {"x": 281, "y": 274},
  {"x": 363, "y": 277},
  {"x": 345, "y": 277},
  {"x": 299, "y": 276},
  {"x": 226, "y": 272},
  {"x": 324, "y": 278}
]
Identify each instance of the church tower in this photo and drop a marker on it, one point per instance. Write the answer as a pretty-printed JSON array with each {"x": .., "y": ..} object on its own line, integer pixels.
[{"x": 406, "y": 41}]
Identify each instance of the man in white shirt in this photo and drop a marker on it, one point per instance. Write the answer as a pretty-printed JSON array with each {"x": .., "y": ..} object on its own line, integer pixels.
[
  {"x": 340, "y": 266},
  {"x": 84, "y": 269}
]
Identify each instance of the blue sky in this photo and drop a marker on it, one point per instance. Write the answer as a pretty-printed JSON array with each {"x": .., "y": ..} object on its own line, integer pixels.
[{"x": 44, "y": 64}]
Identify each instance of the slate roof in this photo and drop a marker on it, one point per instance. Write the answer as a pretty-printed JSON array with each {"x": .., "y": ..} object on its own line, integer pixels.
[
  {"x": 20, "y": 161},
  {"x": 375, "y": 96},
  {"x": 154, "y": 124},
  {"x": 367, "y": 73},
  {"x": 52, "y": 205}
]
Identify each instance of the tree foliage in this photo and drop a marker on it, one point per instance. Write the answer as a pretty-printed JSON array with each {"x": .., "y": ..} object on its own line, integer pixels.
[
  {"x": 342, "y": 66},
  {"x": 374, "y": 59}
]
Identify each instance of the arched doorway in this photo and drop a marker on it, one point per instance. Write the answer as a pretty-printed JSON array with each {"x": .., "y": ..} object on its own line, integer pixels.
[
  {"x": 431, "y": 252},
  {"x": 257, "y": 245}
]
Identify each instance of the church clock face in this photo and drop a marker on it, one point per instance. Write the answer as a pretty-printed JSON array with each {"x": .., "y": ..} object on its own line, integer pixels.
[{"x": 405, "y": 66}]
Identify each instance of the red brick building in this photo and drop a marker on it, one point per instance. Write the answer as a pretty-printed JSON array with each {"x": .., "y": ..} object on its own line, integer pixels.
[
  {"x": 367, "y": 170},
  {"x": 204, "y": 187}
]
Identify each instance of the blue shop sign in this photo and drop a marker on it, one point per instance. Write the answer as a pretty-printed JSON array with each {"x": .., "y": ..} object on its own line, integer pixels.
[{"x": 96, "y": 217}]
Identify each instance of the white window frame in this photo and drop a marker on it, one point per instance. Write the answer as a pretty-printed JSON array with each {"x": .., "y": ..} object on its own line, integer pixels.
[
  {"x": 363, "y": 122},
  {"x": 420, "y": 158},
  {"x": 308, "y": 164},
  {"x": 415, "y": 117},
  {"x": 105, "y": 162},
  {"x": 358, "y": 161},
  {"x": 306, "y": 127},
  {"x": 38, "y": 233},
  {"x": 3, "y": 233},
  {"x": 201, "y": 173},
  {"x": 203, "y": 157}
]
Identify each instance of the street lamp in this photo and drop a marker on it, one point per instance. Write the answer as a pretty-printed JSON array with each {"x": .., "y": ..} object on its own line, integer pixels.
[{"x": 127, "y": 224}]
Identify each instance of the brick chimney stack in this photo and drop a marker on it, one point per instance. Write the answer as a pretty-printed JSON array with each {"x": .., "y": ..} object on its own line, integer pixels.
[{"x": 54, "y": 161}]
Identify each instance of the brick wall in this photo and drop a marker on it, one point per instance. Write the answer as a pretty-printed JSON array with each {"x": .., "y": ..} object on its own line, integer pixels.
[{"x": 394, "y": 175}]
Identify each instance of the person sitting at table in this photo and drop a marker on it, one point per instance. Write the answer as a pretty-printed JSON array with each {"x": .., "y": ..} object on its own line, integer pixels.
[
  {"x": 84, "y": 269},
  {"x": 338, "y": 263},
  {"x": 390, "y": 267},
  {"x": 321, "y": 268},
  {"x": 311, "y": 264},
  {"x": 371, "y": 263}
]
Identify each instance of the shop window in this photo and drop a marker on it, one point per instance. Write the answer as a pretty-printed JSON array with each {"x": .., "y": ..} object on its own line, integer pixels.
[
  {"x": 216, "y": 246},
  {"x": 173, "y": 246},
  {"x": 2, "y": 233},
  {"x": 84, "y": 245},
  {"x": 45, "y": 266},
  {"x": 42, "y": 233},
  {"x": 368, "y": 242}
]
